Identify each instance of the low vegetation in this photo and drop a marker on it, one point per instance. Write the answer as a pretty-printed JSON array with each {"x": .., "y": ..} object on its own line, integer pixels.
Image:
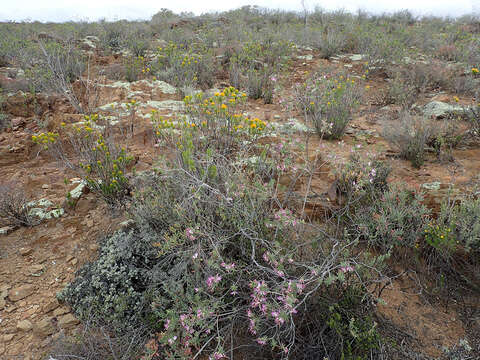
[{"x": 232, "y": 248}]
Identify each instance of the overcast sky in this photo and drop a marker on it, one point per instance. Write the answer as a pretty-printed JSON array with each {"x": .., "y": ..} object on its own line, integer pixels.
[{"x": 61, "y": 10}]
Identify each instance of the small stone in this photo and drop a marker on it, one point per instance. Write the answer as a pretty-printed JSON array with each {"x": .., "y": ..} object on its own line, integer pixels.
[
  {"x": 69, "y": 258},
  {"x": 18, "y": 121},
  {"x": 43, "y": 328},
  {"x": 60, "y": 311},
  {"x": 21, "y": 292},
  {"x": 45, "y": 186},
  {"x": 74, "y": 262},
  {"x": 50, "y": 306},
  {"x": 6, "y": 230},
  {"x": 127, "y": 224},
  {"x": 24, "y": 325},
  {"x": 36, "y": 269},
  {"x": 67, "y": 321},
  {"x": 8, "y": 337},
  {"x": 432, "y": 186},
  {"x": 276, "y": 116},
  {"x": 25, "y": 251}
]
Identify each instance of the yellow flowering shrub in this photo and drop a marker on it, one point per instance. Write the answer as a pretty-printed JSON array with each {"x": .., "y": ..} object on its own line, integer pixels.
[
  {"x": 217, "y": 120},
  {"x": 184, "y": 67},
  {"x": 96, "y": 158}
]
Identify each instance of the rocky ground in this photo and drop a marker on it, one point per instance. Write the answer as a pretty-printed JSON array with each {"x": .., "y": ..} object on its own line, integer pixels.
[{"x": 37, "y": 262}]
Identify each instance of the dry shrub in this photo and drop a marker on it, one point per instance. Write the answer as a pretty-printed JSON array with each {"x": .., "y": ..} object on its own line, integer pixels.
[
  {"x": 14, "y": 209},
  {"x": 410, "y": 135},
  {"x": 95, "y": 342}
]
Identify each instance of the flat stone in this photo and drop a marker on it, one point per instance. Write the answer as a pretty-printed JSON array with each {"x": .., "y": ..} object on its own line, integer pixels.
[
  {"x": 21, "y": 292},
  {"x": 67, "y": 321},
  {"x": 60, "y": 311},
  {"x": 25, "y": 251},
  {"x": 43, "y": 328},
  {"x": 432, "y": 186},
  {"x": 50, "y": 306},
  {"x": 308, "y": 57},
  {"x": 440, "y": 110},
  {"x": 8, "y": 337},
  {"x": 24, "y": 325},
  {"x": 356, "y": 57},
  {"x": 36, "y": 270},
  {"x": 2, "y": 304}
]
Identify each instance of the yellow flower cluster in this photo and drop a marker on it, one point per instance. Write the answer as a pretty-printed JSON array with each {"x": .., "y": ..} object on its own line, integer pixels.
[
  {"x": 440, "y": 237},
  {"x": 475, "y": 71},
  {"x": 256, "y": 125},
  {"x": 45, "y": 139},
  {"x": 190, "y": 59}
]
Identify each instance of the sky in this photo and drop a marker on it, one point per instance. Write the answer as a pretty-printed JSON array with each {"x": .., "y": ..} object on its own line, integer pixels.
[{"x": 64, "y": 10}]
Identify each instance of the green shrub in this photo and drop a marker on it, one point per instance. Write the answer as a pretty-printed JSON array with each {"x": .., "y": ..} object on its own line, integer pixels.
[
  {"x": 328, "y": 103},
  {"x": 53, "y": 67},
  {"x": 138, "y": 44},
  {"x": 259, "y": 84},
  {"x": 463, "y": 220},
  {"x": 113, "y": 35},
  {"x": 114, "y": 287},
  {"x": 254, "y": 66},
  {"x": 134, "y": 68},
  {"x": 474, "y": 119},
  {"x": 396, "y": 219},
  {"x": 330, "y": 44},
  {"x": 4, "y": 123}
]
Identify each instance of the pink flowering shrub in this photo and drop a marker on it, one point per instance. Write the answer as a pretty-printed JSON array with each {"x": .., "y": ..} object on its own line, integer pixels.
[{"x": 231, "y": 261}]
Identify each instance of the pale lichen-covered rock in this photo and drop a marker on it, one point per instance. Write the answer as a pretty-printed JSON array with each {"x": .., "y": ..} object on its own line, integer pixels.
[
  {"x": 78, "y": 190},
  {"x": 39, "y": 209},
  {"x": 440, "y": 110},
  {"x": 307, "y": 57},
  {"x": 292, "y": 126},
  {"x": 173, "y": 105},
  {"x": 356, "y": 57}
]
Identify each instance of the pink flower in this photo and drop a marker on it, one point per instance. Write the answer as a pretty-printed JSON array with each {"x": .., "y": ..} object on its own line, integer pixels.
[
  {"x": 189, "y": 234},
  {"x": 346, "y": 269},
  {"x": 261, "y": 342},
  {"x": 167, "y": 324},
  {"x": 212, "y": 280},
  {"x": 227, "y": 266}
]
